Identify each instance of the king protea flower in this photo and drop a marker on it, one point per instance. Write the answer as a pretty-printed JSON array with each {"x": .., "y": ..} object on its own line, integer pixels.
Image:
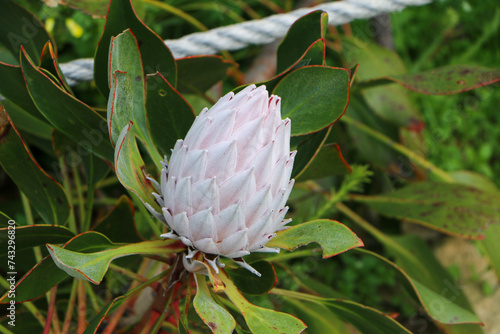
[{"x": 224, "y": 190}]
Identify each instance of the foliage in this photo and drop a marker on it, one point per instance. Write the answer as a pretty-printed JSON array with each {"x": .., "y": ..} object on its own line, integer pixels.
[{"x": 356, "y": 129}]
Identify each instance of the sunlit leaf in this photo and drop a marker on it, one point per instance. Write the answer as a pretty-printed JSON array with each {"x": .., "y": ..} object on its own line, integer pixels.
[
  {"x": 213, "y": 315},
  {"x": 130, "y": 167},
  {"x": 258, "y": 319},
  {"x": 332, "y": 236},
  {"x": 93, "y": 266}
]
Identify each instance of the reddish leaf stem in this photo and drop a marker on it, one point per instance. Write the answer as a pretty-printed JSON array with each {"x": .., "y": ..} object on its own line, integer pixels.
[
  {"x": 50, "y": 312},
  {"x": 82, "y": 307},
  {"x": 71, "y": 307}
]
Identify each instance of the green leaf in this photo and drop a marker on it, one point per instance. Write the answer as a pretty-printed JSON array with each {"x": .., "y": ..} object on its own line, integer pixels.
[
  {"x": 304, "y": 32},
  {"x": 437, "y": 305},
  {"x": 169, "y": 115},
  {"x": 327, "y": 162},
  {"x": 366, "y": 319},
  {"x": 30, "y": 236},
  {"x": 120, "y": 105},
  {"x": 45, "y": 274},
  {"x": 19, "y": 27},
  {"x": 119, "y": 223},
  {"x": 155, "y": 55},
  {"x": 93, "y": 266},
  {"x": 26, "y": 122},
  {"x": 45, "y": 194},
  {"x": 213, "y": 315},
  {"x": 258, "y": 319},
  {"x": 451, "y": 79},
  {"x": 307, "y": 147},
  {"x": 418, "y": 261},
  {"x": 49, "y": 62},
  {"x": 190, "y": 81},
  {"x": 127, "y": 98},
  {"x": 307, "y": 97},
  {"x": 69, "y": 115},
  {"x": 130, "y": 168},
  {"x": 449, "y": 208},
  {"x": 319, "y": 318},
  {"x": 16, "y": 91},
  {"x": 333, "y": 237},
  {"x": 390, "y": 102},
  {"x": 492, "y": 234},
  {"x": 253, "y": 284}
]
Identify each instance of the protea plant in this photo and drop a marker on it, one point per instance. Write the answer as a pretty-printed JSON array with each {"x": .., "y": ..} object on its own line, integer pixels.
[{"x": 224, "y": 189}]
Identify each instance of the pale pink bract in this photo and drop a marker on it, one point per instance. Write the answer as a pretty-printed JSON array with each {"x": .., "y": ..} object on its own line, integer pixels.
[{"x": 225, "y": 187}]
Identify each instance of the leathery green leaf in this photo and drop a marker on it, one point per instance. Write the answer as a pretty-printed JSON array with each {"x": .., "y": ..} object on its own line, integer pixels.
[
  {"x": 438, "y": 306},
  {"x": 366, "y": 319},
  {"x": 93, "y": 266},
  {"x": 130, "y": 167},
  {"x": 328, "y": 161},
  {"x": 307, "y": 97},
  {"x": 31, "y": 236},
  {"x": 332, "y": 236},
  {"x": 304, "y": 32},
  {"x": 258, "y": 319},
  {"x": 449, "y": 208},
  {"x": 253, "y": 284},
  {"x": 213, "y": 315},
  {"x": 120, "y": 105},
  {"x": 169, "y": 115},
  {"x": 69, "y": 115},
  {"x": 155, "y": 55},
  {"x": 45, "y": 274},
  {"x": 45, "y": 194}
]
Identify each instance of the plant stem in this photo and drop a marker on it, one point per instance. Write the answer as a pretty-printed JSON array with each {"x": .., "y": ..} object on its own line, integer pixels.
[
  {"x": 127, "y": 272},
  {"x": 92, "y": 297},
  {"x": 82, "y": 307},
  {"x": 71, "y": 307},
  {"x": 79, "y": 195},
  {"x": 400, "y": 148},
  {"x": 67, "y": 189},
  {"x": 51, "y": 314},
  {"x": 5, "y": 330}
]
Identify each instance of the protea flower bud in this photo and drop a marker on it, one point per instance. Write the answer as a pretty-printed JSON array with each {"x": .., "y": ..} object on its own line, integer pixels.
[{"x": 224, "y": 189}]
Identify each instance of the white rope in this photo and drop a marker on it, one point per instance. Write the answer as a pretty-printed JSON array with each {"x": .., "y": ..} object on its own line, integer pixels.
[{"x": 256, "y": 32}]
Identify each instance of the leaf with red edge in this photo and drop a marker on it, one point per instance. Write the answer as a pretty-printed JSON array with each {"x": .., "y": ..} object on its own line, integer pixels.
[
  {"x": 69, "y": 115},
  {"x": 253, "y": 284},
  {"x": 48, "y": 61},
  {"x": 155, "y": 55},
  {"x": 449, "y": 208},
  {"x": 307, "y": 147},
  {"x": 45, "y": 194},
  {"x": 45, "y": 274},
  {"x": 19, "y": 27},
  {"x": 446, "y": 80},
  {"x": 327, "y": 162},
  {"x": 130, "y": 167},
  {"x": 190, "y": 81},
  {"x": 391, "y": 102},
  {"x": 30, "y": 236},
  {"x": 302, "y": 34},
  {"x": 333, "y": 237},
  {"x": 93, "y": 266},
  {"x": 307, "y": 97}
]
